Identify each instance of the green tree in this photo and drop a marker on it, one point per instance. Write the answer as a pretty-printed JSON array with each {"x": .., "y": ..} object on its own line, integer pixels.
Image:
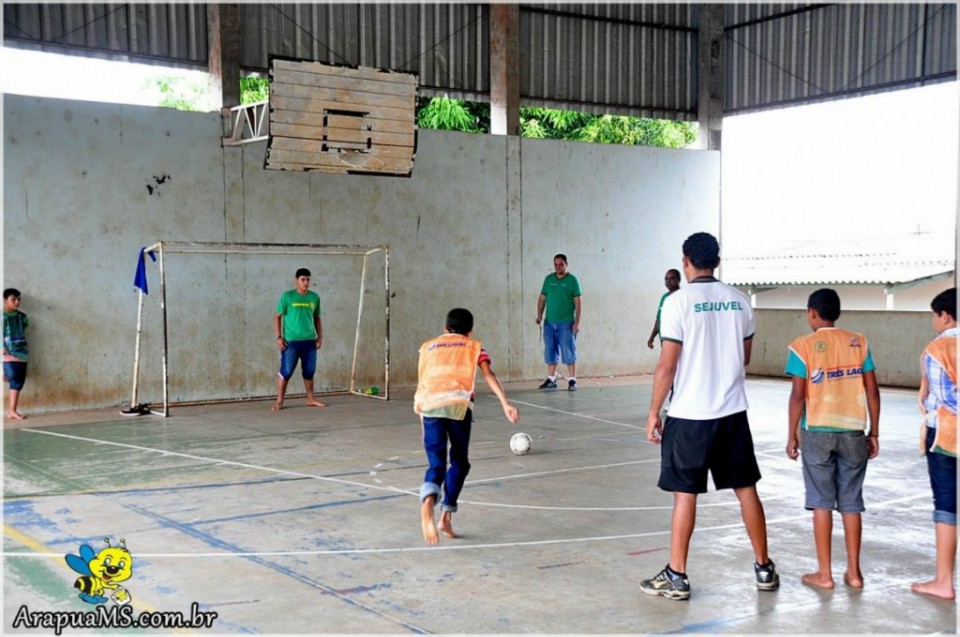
[
  {"x": 180, "y": 93},
  {"x": 254, "y": 89},
  {"x": 442, "y": 113}
]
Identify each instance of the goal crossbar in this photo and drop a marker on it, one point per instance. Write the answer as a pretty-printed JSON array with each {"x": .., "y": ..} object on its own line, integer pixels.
[{"x": 161, "y": 248}]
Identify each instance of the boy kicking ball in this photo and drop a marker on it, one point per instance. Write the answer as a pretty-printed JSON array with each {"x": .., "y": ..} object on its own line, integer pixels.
[{"x": 444, "y": 402}]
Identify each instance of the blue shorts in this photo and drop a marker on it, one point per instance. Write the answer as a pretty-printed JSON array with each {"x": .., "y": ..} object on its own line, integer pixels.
[
  {"x": 303, "y": 351},
  {"x": 559, "y": 338},
  {"x": 943, "y": 481},
  {"x": 834, "y": 466},
  {"x": 722, "y": 446},
  {"x": 15, "y": 373}
]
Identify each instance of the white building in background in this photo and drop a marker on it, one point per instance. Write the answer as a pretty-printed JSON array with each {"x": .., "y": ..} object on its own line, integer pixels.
[{"x": 869, "y": 274}]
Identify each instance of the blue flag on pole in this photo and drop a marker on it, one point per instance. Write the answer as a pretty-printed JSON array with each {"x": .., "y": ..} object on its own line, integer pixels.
[{"x": 140, "y": 278}]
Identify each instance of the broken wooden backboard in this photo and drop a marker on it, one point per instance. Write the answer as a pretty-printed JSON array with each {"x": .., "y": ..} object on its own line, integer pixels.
[{"x": 340, "y": 119}]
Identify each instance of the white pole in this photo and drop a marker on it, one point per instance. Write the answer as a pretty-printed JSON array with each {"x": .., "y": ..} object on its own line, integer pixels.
[
  {"x": 163, "y": 311},
  {"x": 356, "y": 341},
  {"x": 136, "y": 354}
]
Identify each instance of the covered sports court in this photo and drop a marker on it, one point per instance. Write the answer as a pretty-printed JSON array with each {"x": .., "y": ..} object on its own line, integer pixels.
[{"x": 306, "y": 521}]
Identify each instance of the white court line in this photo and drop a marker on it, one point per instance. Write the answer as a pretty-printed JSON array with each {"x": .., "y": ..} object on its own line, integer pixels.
[
  {"x": 465, "y": 547},
  {"x": 584, "y": 416}
]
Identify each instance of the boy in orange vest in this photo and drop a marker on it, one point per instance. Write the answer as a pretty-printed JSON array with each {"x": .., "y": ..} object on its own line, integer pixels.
[
  {"x": 834, "y": 387},
  {"x": 444, "y": 401},
  {"x": 938, "y": 402}
]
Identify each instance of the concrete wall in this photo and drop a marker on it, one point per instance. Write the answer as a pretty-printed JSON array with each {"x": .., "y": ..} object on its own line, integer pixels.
[
  {"x": 476, "y": 225},
  {"x": 895, "y": 338}
]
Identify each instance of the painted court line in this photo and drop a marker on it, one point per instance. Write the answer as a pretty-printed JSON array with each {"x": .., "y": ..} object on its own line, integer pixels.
[
  {"x": 466, "y": 547},
  {"x": 584, "y": 416}
]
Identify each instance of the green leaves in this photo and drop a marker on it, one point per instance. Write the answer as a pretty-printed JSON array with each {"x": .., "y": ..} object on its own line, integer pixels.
[
  {"x": 254, "y": 89},
  {"x": 442, "y": 113}
]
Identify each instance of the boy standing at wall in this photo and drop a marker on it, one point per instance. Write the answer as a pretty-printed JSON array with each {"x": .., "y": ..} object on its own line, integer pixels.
[
  {"x": 299, "y": 334},
  {"x": 444, "y": 401},
  {"x": 938, "y": 402},
  {"x": 834, "y": 388},
  {"x": 14, "y": 349}
]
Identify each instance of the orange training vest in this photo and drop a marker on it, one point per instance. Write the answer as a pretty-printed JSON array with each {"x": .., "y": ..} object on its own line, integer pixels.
[
  {"x": 944, "y": 351},
  {"x": 447, "y": 370},
  {"x": 835, "y": 394}
]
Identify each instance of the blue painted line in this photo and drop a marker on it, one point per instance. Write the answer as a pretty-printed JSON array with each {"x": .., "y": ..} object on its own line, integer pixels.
[
  {"x": 226, "y": 546},
  {"x": 312, "y": 507}
]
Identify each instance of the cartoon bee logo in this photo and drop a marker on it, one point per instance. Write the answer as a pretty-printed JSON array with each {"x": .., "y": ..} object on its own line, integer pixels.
[{"x": 101, "y": 571}]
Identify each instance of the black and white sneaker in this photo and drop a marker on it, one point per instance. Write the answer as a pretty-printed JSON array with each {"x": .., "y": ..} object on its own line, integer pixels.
[
  {"x": 572, "y": 384},
  {"x": 548, "y": 384},
  {"x": 767, "y": 577},
  {"x": 667, "y": 583}
]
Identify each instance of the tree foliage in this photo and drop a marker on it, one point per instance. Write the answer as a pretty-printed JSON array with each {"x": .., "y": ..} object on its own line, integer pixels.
[
  {"x": 254, "y": 89},
  {"x": 442, "y": 113},
  {"x": 548, "y": 123}
]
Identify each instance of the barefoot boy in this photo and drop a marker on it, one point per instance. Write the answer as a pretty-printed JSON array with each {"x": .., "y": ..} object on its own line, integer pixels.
[
  {"x": 299, "y": 334},
  {"x": 444, "y": 401},
  {"x": 14, "y": 349},
  {"x": 938, "y": 402},
  {"x": 834, "y": 387}
]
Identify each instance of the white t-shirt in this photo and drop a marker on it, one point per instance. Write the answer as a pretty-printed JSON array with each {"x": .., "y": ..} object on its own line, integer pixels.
[{"x": 711, "y": 320}]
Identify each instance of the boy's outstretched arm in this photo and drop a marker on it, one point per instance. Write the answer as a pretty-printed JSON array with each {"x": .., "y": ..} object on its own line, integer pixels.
[
  {"x": 798, "y": 402},
  {"x": 873, "y": 409},
  {"x": 511, "y": 412}
]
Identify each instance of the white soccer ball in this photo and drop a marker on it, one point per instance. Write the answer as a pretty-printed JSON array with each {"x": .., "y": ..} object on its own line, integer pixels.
[{"x": 520, "y": 444}]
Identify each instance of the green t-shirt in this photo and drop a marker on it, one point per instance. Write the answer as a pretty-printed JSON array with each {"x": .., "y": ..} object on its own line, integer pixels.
[
  {"x": 560, "y": 294},
  {"x": 298, "y": 311},
  {"x": 14, "y": 335}
]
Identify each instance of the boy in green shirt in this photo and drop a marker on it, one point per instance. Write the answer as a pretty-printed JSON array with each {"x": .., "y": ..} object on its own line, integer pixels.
[
  {"x": 299, "y": 334},
  {"x": 14, "y": 349}
]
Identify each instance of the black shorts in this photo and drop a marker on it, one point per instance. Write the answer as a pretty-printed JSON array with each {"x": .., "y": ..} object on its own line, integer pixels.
[{"x": 722, "y": 446}]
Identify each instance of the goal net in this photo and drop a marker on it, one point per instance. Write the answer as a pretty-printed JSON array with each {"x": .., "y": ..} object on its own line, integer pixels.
[{"x": 205, "y": 330}]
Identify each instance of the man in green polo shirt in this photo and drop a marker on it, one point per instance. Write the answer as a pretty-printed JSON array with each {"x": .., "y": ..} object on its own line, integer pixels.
[
  {"x": 560, "y": 295},
  {"x": 672, "y": 280}
]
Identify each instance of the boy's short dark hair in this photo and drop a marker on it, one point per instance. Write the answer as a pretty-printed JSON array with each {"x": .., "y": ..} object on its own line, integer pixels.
[
  {"x": 946, "y": 301},
  {"x": 674, "y": 272},
  {"x": 302, "y": 272},
  {"x": 827, "y": 304},
  {"x": 11, "y": 292},
  {"x": 703, "y": 250},
  {"x": 460, "y": 321},
  {"x": 560, "y": 256}
]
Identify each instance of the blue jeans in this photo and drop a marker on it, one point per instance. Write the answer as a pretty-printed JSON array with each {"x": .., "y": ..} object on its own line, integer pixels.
[
  {"x": 436, "y": 433},
  {"x": 943, "y": 482},
  {"x": 557, "y": 338},
  {"x": 304, "y": 351},
  {"x": 15, "y": 373}
]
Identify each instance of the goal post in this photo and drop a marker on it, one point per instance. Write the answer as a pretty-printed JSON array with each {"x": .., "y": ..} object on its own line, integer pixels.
[{"x": 212, "y": 337}]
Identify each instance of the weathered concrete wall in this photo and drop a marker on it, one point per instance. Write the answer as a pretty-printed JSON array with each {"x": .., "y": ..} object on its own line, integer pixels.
[
  {"x": 476, "y": 225},
  {"x": 895, "y": 338}
]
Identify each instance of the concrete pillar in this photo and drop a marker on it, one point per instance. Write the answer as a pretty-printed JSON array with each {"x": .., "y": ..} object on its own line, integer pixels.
[
  {"x": 711, "y": 76},
  {"x": 505, "y": 69},
  {"x": 223, "y": 52}
]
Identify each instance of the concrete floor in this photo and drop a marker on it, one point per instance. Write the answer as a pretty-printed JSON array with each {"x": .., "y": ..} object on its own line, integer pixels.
[{"x": 307, "y": 521}]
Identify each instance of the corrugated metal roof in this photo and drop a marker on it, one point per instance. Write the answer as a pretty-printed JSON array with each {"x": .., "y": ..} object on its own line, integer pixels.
[
  {"x": 834, "y": 262},
  {"x": 628, "y": 59},
  {"x": 790, "y": 54},
  {"x": 172, "y": 33},
  {"x": 636, "y": 59}
]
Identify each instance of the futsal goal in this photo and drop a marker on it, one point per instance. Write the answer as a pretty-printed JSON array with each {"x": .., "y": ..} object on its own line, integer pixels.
[{"x": 210, "y": 337}]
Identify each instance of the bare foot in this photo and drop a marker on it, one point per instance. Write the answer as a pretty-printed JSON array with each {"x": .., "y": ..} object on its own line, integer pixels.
[
  {"x": 315, "y": 403},
  {"x": 15, "y": 415},
  {"x": 853, "y": 581},
  {"x": 446, "y": 524},
  {"x": 426, "y": 521},
  {"x": 816, "y": 580},
  {"x": 276, "y": 407},
  {"x": 934, "y": 589}
]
